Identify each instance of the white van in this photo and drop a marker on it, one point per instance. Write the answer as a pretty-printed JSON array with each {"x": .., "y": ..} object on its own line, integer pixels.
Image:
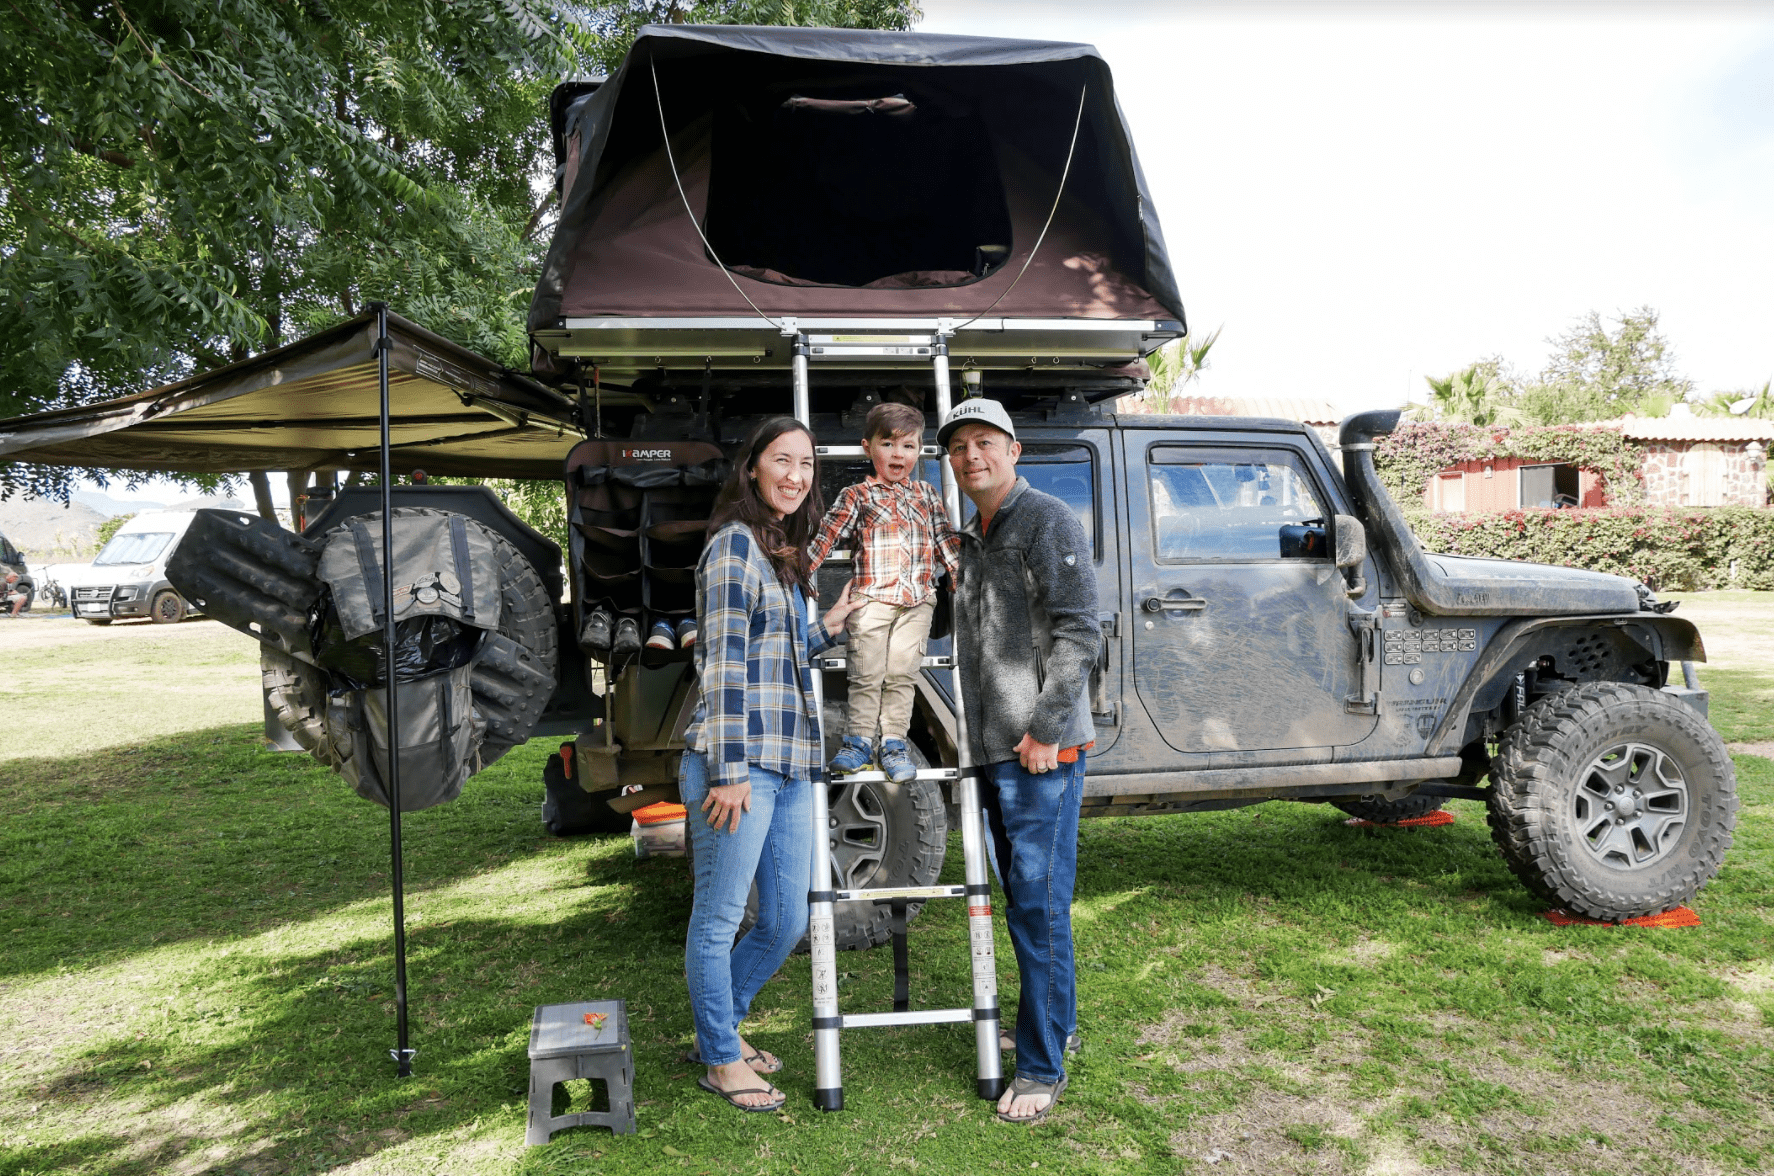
[{"x": 128, "y": 578}]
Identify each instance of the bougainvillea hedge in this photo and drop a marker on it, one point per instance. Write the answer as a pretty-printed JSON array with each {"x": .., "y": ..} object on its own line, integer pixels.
[
  {"x": 1416, "y": 451},
  {"x": 1670, "y": 548}
]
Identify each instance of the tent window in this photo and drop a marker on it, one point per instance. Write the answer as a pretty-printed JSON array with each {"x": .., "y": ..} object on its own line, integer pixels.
[{"x": 842, "y": 190}]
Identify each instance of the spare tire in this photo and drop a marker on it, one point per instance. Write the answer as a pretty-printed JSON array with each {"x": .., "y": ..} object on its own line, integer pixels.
[{"x": 513, "y": 675}]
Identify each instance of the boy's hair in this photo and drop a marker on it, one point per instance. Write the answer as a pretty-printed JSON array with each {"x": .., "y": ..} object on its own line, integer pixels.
[{"x": 890, "y": 420}]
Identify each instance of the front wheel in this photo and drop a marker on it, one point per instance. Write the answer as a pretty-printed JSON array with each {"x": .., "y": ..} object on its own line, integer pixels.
[
  {"x": 168, "y": 608},
  {"x": 1613, "y": 801}
]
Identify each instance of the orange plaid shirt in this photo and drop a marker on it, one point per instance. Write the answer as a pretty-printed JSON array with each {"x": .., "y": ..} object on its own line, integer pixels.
[{"x": 901, "y": 535}]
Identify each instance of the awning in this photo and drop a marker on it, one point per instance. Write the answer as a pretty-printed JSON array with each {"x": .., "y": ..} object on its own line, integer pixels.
[{"x": 313, "y": 405}]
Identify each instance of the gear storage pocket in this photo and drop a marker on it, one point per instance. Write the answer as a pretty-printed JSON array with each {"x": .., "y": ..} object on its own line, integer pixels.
[{"x": 438, "y": 733}]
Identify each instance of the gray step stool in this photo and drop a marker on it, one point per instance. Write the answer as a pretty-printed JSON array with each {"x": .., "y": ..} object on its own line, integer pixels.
[{"x": 564, "y": 1046}]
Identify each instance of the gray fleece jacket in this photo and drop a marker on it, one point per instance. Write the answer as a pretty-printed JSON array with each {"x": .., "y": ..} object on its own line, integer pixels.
[{"x": 1027, "y": 627}]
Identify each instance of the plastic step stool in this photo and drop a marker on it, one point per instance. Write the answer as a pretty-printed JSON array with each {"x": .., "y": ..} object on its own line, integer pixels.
[{"x": 584, "y": 1040}]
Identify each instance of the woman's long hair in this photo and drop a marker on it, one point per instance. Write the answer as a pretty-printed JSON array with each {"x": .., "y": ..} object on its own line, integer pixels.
[{"x": 784, "y": 541}]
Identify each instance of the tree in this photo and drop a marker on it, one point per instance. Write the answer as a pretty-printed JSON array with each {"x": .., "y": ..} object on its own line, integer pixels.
[
  {"x": 110, "y": 526},
  {"x": 1175, "y": 366},
  {"x": 1478, "y": 394},
  {"x": 185, "y": 182},
  {"x": 1599, "y": 374}
]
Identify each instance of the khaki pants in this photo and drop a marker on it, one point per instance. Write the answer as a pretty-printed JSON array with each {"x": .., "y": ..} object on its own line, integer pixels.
[{"x": 885, "y": 651}]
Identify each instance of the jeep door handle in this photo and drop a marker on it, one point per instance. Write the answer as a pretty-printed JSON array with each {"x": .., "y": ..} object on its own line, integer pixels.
[{"x": 1186, "y": 604}]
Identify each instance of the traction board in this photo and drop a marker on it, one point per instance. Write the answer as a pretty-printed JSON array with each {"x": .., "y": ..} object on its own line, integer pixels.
[
  {"x": 1679, "y": 917},
  {"x": 1438, "y": 817}
]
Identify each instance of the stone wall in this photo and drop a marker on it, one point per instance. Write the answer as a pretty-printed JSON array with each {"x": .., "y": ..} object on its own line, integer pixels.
[{"x": 1695, "y": 473}]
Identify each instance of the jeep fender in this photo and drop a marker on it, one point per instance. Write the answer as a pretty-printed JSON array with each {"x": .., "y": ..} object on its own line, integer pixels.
[{"x": 1519, "y": 643}]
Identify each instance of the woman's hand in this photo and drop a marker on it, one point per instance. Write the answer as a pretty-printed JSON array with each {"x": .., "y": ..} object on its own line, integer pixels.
[
  {"x": 839, "y": 614},
  {"x": 727, "y": 800}
]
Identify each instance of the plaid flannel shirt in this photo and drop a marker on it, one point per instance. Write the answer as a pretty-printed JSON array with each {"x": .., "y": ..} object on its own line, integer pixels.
[
  {"x": 754, "y": 647},
  {"x": 902, "y": 537}
]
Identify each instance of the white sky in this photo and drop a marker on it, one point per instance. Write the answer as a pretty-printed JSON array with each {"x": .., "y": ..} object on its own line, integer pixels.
[{"x": 1363, "y": 193}]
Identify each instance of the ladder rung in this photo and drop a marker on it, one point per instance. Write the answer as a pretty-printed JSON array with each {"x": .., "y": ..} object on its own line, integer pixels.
[
  {"x": 881, "y": 777},
  {"x": 929, "y": 663},
  {"x": 914, "y": 1017},
  {"x": 859, "y": 451},
  {"x": 880, "y": 892}
]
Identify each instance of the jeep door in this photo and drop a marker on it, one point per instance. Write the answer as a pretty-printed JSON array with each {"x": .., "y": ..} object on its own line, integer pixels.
[{"x": 1235, "y": 648}]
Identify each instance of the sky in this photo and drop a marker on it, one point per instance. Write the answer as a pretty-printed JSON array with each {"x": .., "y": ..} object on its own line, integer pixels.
[{"x": 1362, "y": 194}]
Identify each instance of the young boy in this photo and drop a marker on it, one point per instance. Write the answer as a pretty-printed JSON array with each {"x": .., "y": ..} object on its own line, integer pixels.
[{"x": 900, "y": 532}]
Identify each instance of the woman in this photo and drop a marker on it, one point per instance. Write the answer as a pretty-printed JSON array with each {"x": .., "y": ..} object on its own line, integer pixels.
[{"x": 753, "y": 746}]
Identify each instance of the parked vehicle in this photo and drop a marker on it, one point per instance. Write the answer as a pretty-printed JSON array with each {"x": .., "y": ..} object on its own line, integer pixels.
[
  {"x": 1271, "y": 629},
  {"x": 127, "y": 579},
  {"x": 12, "y": 561}
]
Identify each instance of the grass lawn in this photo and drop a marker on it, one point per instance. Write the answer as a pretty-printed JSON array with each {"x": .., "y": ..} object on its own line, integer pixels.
[{"x": 196, "y": 977}]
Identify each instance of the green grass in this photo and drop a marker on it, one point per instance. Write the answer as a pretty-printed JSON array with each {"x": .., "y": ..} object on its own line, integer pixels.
[{"x": 196, "y": 976}]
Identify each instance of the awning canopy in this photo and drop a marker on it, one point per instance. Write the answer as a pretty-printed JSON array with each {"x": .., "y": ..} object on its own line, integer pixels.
[
  {"x": 849, "y": 177},
  {"x": 313, "y": 405}
]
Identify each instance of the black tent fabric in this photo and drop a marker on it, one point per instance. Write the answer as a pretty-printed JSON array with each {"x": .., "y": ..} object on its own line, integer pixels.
[
  {"x": 851, "y": 173},
  {"x": 312, "y": 405}
]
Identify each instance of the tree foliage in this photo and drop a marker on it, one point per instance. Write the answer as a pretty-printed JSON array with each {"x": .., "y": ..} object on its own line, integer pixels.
[
  {"x": 1175, "y": 366},
  {"x": 185, "y": 182},
  {"x": 1478, "y": 394},
  {"x": 1596, "y": 373}
]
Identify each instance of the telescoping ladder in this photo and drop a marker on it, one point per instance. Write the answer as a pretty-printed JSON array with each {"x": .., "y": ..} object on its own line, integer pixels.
[{"x": 828, "y": 1021}]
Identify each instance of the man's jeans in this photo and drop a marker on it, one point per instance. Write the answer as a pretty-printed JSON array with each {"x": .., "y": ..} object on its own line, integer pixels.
[
  {"x": 1033, "y": 819},
  {"x": 774, "y": 846}
]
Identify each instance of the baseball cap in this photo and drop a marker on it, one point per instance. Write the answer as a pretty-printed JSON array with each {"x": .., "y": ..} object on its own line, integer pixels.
[{"x": 981, "y": 410}]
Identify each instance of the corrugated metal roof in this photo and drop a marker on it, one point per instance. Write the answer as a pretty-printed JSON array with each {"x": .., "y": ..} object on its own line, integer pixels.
[
  {"x": 1693, "y": 428},
  {"x": 1307, "y": 409}
]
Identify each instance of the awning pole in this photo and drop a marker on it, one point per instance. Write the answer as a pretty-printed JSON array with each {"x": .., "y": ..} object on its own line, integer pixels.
[{"x": 402, "y": 1055}]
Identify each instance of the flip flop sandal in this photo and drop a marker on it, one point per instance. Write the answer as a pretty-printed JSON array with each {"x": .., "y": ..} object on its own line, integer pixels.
[
  {"x": 693, "y": 1055},
  {"x": 1020, "y": 1086},
  {"x": 731, "y": 1095}
]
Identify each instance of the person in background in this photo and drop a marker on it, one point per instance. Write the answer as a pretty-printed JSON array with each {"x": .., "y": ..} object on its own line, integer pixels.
[
  {"x": 753, "y": 747},
  {"x": 12, "y": 598},
  {"x": 1026, "y": 635},
  {"x": 900, "y": 532}
]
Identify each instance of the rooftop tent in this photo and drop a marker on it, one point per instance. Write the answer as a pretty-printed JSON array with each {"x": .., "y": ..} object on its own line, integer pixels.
[
  {"x": 313, "y": 405},
  {"x": 849, "y": 177}
]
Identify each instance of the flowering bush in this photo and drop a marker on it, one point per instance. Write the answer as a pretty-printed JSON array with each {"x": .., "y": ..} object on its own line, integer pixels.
[
  {"x": 1670, "y": 548},
  {"x": 1417, "y": 451}
]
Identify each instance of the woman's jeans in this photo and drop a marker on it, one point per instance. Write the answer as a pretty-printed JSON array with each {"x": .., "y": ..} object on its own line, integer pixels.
[
  {"x": 774, "y": 846},
  {"x": 1033, "y": 820}
]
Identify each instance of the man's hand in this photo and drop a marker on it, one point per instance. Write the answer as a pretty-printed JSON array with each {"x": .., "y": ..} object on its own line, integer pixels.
[
  {"x": 1037, "y": 757},
  {"x": 728, "y": 801}
]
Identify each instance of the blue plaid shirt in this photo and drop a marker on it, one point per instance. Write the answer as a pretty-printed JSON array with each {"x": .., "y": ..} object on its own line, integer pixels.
[{"x": 755, "y": 644}]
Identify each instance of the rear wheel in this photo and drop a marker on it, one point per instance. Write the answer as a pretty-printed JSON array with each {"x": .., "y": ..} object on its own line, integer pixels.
[
  {"x": 880, "y": 834},
  {"x": 168, "y": 608},
  {"x": 1613, "y": 800}
]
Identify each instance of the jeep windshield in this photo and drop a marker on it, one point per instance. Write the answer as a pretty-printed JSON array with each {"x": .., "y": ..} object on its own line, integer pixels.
[{"x": 137, "y": 547}]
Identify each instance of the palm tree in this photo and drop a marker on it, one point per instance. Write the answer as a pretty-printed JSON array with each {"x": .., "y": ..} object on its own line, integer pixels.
[
  {"x": 1475, "y": 395},
  {"x": 1754, "y": 405},
  {"x": 1175, "y": 366}
]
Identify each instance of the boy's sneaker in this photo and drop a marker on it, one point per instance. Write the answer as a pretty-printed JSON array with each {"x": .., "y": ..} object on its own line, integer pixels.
[
  {"x": 627, "y": 641},
  {"x": 596, "y": 634},
  {"x": 661, "y": 636},
  {"x": 896, "y": 761},
  {"x": 686, "y": 632},
  {"x": 853, "y": 756}
]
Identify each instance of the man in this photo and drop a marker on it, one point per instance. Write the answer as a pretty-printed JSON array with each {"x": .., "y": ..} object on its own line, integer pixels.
[
  {"x": 12, "y": 597},
  {"x": 1027, "y": 637}
]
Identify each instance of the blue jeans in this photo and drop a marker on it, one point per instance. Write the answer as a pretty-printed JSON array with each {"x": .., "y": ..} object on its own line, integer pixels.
[
  {"x": 1033, "y": 821},
  {"x": 774, "y": 846}
]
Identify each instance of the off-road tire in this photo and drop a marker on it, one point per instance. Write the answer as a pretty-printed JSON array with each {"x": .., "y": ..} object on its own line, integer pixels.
[
  {"x": 1550, "y": 782},
  {"x": 167, "y": 608},
  {"x": 1390, "y": 812},
  {"x": 297, "y": 694}
]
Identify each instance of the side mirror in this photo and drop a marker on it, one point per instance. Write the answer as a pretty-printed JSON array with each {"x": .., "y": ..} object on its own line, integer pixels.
[
  {"x": 1351, "y": 540},
  {"x": 1351, "y": 552}
]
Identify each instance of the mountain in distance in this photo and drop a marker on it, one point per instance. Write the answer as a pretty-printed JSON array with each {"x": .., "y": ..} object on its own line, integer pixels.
[
  {"x": 48, "y": 532},
  {"x": 112, "y": 507}
]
